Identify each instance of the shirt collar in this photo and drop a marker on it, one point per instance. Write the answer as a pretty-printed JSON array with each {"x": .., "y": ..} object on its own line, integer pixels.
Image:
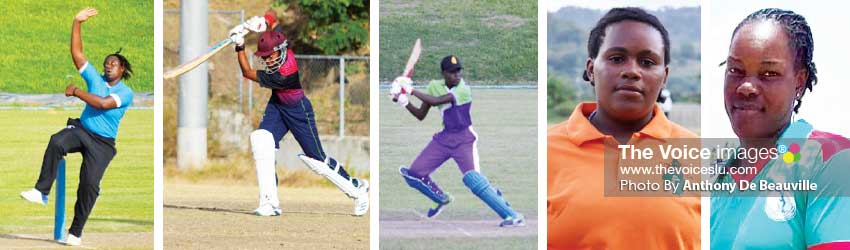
[{"x": 581, "y": 130}]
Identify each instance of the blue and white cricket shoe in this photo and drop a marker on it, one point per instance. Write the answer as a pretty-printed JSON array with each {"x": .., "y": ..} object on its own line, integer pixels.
[
  {"x": 34, "y": 196},
  {"x": 517, "y": 221},
  {"x": 267, "y": 210}
]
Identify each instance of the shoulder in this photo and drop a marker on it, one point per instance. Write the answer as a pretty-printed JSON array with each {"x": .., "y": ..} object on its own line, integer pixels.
[
  {"x": 558, "y": 137},
  {"x": 677, "y": 131},
  {"x": 831, "y": 144}
]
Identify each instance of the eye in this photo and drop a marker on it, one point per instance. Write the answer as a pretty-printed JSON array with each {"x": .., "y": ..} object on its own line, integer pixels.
[
  {"x": 616, "y": 59},
  {"x": 648, "y": 62},
  {"x": 733, "y": 71},
  {"x": 770, "y": 74}
]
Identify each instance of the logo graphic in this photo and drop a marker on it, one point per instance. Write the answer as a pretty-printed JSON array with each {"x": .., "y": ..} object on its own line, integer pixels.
[
  {"x": 791, "y": 153},
  {"x": 780, "y": 208},
  {"x": 454, "y": 60}
]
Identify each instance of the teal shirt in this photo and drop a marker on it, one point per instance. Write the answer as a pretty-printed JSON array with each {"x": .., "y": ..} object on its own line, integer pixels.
[{"x": 788, "y": 220}]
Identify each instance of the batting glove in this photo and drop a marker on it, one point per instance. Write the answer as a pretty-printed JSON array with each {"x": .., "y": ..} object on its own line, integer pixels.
[
  {"x": 402, "y": 100},
  {"x": 256, "y": 24},
  {"x": 237, "y": 34},
  {"x": 405, "y": 83},
  {"x": 395, "y": 89}
]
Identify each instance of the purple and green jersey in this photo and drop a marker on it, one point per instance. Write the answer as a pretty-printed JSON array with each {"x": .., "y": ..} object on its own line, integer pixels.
[
  {"x": 457, "y": 120},
  {"x": 457, "y": 140},
  {"x": 791, "y": 219}
]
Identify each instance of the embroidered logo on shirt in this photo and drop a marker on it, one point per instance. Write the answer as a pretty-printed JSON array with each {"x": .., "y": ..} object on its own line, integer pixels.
[{"x": 780, "y": 208}]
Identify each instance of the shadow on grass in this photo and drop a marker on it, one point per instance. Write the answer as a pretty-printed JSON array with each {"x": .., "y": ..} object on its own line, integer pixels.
[
  {"x": 125, "y": 221},
  {"x": 28, "y": 237},
  {"x": 239, "y": 211}
]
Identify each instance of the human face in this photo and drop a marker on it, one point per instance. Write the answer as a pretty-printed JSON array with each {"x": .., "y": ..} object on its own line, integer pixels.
[
  {"x": 629, "y": 71},
  {"x": 762, "y": 80},
  {"x": 112, "y": 68},
  {"x": 453, "y": 78},
  {"x": 271, "y": 59}
]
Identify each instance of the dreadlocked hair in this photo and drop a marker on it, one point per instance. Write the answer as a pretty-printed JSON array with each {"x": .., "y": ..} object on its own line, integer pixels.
[
  {"x": 800, "y": 41},
  {"x": 128, "y": 69}
]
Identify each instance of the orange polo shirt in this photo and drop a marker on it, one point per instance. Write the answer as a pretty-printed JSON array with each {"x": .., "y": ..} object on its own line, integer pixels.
[{"x": 580, "y": 217}]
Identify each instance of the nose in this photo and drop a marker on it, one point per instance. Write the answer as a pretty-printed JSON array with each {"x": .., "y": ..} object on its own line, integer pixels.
[
  {"x": 630, "y": 71},
  {"x": 747, "y": 89}
]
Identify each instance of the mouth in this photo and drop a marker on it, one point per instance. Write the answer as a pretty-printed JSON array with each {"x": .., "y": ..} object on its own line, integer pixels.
[
  {"x": 629, "y": 89},
  {"x": 747, "y": 107}
]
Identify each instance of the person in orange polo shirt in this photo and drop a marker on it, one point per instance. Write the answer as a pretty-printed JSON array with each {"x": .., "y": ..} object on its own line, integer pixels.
[{"x": 629, "y": 51}]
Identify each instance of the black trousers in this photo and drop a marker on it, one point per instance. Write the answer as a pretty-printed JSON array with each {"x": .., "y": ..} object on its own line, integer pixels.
[{"x": 97, "y": 152}]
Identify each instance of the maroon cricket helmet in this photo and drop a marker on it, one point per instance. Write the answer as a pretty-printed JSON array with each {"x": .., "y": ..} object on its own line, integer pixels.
[{"x": 270, "y": 41}]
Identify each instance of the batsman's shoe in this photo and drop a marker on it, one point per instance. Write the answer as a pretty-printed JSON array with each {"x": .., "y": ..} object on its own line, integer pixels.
[
  {"x": 267, "y": 210},
  {"x": 511, "y": 221},
  {"x": 72, "y": 240},
  {"x": 433, "y": 212},
  {"x": 361, "y": 202},
  {"x": 34, "y": 196}
]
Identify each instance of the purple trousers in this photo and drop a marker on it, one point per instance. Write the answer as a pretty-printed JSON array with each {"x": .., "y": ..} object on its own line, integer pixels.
[{"x": 462, "y": 146}]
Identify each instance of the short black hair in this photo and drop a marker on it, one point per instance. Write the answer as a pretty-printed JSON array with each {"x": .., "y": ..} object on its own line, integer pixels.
[
  {"x": 597, "y": 34},
  {"x": 128, "y": 69},
  {"x": 799, "y": 40}
]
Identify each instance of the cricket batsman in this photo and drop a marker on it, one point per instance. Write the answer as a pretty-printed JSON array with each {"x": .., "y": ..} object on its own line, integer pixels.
[
  {"x": 288, "y": 111},
  {"x": 457, "y": 141},
  {"x": 93, "y": 134}
]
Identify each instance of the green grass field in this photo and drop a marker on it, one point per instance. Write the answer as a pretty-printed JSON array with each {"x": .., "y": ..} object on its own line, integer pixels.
[
  {"x": 506, "y": 122},
  {"x": 37, "y": 34},
  {"x": 495, "y": 40},
  {"x": 126, "y": 197}
]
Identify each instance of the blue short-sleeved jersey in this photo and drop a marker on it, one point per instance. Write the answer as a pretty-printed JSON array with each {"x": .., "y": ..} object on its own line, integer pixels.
[{"x": 104, "y": 122}]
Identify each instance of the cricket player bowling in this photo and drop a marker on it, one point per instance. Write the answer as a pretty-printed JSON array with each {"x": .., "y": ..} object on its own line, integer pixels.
[
  {"x": 93, "y": 134},
  {"x": 288, "y": 111},
  {"x": 457, "y": 141}
]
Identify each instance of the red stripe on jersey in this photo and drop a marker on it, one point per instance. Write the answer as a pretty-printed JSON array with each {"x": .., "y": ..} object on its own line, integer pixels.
[
  {"x": 830, "y": 143},
  {"x": 843, "y": 245},
  {"x": 289, "y": 67}
]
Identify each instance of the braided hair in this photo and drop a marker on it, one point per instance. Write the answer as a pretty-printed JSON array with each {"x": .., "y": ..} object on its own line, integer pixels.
[
  {"x": 800, "y": 41},
  {"x": 597, "y": 34},
  {"x": 128, "y": 69}
]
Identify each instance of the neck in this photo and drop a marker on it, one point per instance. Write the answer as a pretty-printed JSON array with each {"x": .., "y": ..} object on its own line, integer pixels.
[
  {"x": 766, "y": 142},
  {"x": 113, "y": 82},
  {"x": 452, "y": 85},
  {"x": 621, "y": 130}
]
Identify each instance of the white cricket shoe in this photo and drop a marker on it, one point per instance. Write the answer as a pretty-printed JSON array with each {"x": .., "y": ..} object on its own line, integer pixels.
[
  {"x": 34, "y": 196},
  {"x": 361, "y": 203},
  {"x": 267, "y": 210},
  {"x": 72, "y": 240}
]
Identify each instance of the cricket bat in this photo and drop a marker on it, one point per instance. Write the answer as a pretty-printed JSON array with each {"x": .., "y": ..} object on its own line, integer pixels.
[
  {"x": 414, "y": 57},
  {"x": 411, "y": 61},
  {"x": 186, "y": 67}
]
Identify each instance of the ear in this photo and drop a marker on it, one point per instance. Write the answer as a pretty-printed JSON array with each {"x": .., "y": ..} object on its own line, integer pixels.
[
  {"x": 666, "y": 74},
  {"x": 588, "y": 71},
  {"x": 800, "y": 78}
]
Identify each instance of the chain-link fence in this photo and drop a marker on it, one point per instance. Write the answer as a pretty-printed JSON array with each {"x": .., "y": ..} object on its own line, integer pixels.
[{"x": 338, "y": 87}]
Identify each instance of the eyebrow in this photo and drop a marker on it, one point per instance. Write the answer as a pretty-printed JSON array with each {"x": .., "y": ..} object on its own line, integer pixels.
[
  {"x": 642, "y": 52},
  {"x": 768, "y": 62}
]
